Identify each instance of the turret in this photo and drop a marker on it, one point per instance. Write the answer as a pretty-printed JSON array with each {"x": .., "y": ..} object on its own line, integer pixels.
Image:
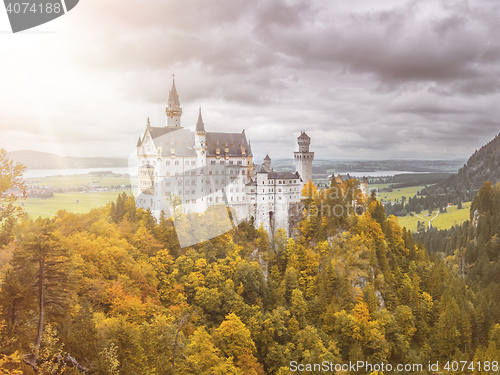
[
  {"x": 200, "y": 126},
  {"x": 200, "y": 139},
  {"x": 304, "y": 141},
  {"x": 304, "y": 158},
  {"x": 267, "y": 162},
  {"x": 173, "y": 110}
]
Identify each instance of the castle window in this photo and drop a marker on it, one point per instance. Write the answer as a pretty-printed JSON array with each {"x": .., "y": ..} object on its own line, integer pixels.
[
  {"x": 180, "y": 183},
  {"x": 193, "y": 162},
  {"x": 212, "y": 162},
  {"x": 231, "y": 199},
  {"x": 221, "y": 162},
  {"x": 231, "y": 171},
  {"x": 239, "y": 162},
  {"x": 193, "y": 192},
  {"x": 177, "y": 162},
  {"x": 168, "y": 183},
  {"x": 193, "y": 182},
  {"x": 193, "y": 201},
  {"x": 237, "y": 190},
  {"x": 231, "y": 162},
  {"x": 186, "y": 162},
  {"x": 243, "y": 172},
  {"x": 237, "y": 198},
  {"x": 167, "y": 173},
  {"x": 193, "y": 173},
  {"x": 167, "y": 162}
]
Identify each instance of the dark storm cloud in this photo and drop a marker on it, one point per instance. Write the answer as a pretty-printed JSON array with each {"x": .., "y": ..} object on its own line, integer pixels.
[{"x": 397, "y": 45}]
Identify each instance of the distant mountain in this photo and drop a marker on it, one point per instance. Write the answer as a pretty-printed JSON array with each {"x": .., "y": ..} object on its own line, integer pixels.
[
  {"x": 326, "y": 167},
  {"x": 45, "y": 160},
  {"x": 483, "y": 165}
]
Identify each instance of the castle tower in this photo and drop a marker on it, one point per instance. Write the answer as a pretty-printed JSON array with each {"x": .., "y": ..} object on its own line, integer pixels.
[
  {"x": 363, "y": 185},
  {"x": 304, "y": 158},
  {"x": 200, "y": 142},
  {"x": 267, "y": 162},
  {"x": 173, "y": 110}
]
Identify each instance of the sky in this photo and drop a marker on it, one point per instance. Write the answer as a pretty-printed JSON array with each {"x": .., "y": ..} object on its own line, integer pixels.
[{"x": 364, "y": 79}]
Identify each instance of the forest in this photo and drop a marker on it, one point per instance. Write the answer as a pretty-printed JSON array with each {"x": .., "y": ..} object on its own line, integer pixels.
[{"x": 111, "y": 291}]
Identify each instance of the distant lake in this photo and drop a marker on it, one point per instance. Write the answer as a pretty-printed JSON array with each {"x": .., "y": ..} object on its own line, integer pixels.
[
  {"x": 378, "y": 173},
  {"x": 36, "y": 173}
]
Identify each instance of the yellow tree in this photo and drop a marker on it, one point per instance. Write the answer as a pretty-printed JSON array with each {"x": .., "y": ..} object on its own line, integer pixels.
[
  {"x": 11, "y": 188},
  {"x": 203, "y": 357},
  {"x": 234, "y": 340}
]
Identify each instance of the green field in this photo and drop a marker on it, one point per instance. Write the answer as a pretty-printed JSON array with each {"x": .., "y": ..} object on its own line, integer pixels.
[
  {"x": 71, "y": 202},
  {"x": 443, "y": 221},
  {"x": 396, "y": 194}
]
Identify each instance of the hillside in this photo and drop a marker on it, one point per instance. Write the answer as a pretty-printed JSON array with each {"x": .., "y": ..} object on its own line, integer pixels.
[
  {"x": 483, "y": 165},
  {"x": 45, "y": 160},
  {"x": 123, "y": 295}
]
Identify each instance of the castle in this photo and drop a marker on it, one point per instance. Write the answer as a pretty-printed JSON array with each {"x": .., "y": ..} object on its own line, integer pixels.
[{"x": 194, "y": 170}]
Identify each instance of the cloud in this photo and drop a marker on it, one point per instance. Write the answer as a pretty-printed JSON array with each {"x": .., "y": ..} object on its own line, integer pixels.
[{"x": 363, "y": 79}]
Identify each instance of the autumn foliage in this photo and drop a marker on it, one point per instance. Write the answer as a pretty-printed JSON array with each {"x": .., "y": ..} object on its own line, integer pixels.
[{"x": 121, "y": 296}]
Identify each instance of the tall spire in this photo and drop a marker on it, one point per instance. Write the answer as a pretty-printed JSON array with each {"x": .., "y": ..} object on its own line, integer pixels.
[
  {"x": 173, "y": 98},
  {"x": 173, "y": 110},
  {"x": 200, "y": 126}
]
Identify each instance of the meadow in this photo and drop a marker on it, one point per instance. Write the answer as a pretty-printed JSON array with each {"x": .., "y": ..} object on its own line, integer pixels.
[
  {"x": 71, "y": 202},
  {"x": 105, "y": 187},
  {"x": 396, "y": 194},
  {"x": 445, "y": 220}
]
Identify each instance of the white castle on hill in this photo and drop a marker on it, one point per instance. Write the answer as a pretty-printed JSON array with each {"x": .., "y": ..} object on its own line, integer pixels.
[{"x": 194, "y": 170}]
